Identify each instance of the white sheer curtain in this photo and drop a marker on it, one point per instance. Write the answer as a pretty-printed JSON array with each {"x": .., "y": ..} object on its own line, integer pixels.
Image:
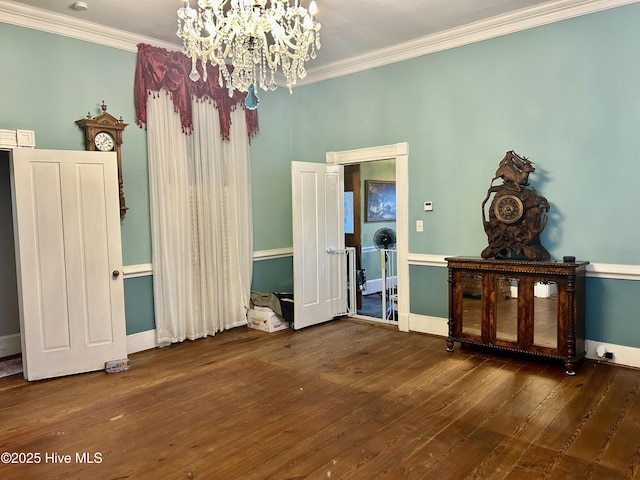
[{"x": 201, "y": 220}]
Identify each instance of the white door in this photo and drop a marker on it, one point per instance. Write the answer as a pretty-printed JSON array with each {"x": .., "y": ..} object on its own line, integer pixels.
[
  {"x": 320, "y": 288},
  {"x": 69, "y": 261}
]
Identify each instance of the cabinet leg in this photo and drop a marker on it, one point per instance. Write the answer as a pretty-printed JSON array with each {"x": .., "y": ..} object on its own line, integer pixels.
[
  {"x": 570, "y": 368},
  {"x": 449, "y": 346}
]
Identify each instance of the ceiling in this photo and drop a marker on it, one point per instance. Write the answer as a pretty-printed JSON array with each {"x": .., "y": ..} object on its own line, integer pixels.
[{"x": 351, "y": 29}]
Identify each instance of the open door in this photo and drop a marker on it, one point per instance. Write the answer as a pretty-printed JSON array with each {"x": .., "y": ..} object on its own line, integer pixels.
[
  {"x": 319, "y": 266},
  {"x": 68, "y": 261}
]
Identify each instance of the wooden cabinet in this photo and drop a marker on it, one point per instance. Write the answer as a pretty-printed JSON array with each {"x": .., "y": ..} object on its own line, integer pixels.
[{"x": 532, "y": 307}]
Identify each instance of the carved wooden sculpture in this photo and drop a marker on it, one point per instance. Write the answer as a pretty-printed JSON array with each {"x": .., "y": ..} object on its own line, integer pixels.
[{"x": 517, "y": 214}]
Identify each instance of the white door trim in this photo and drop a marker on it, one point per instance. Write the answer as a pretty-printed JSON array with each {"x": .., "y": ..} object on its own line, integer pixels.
[{"x": 400, "y": 153}]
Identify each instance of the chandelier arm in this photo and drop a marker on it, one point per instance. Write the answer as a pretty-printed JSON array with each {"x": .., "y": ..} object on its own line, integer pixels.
[{"x": 249, "y": 39}]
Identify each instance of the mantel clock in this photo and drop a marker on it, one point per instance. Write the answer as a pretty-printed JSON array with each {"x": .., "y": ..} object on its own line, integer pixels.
[{"x": 517, "y": 214}]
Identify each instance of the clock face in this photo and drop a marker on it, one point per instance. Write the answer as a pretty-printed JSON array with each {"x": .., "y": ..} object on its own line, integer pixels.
[
  {"x": 104, "y": 142},
  {"x": 508, "y": 209}
]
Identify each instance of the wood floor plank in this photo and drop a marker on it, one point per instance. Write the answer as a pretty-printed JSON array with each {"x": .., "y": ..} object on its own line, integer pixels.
[
  {"x": 379, "y": 414},
  {"x": 378, "y": 455},
  {"x": 451, "y": 427},
  {"x": 552, "y": 445},
  {"x": 521, "y": 419},
  {"x": 622, "y": 456},
  {"x": 590, "y": 446},
  {"x": 303, "y": 457},
  {"x": 343, "y": 400}
]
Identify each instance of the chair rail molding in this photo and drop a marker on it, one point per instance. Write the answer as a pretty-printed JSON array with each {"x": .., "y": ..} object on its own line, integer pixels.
[
  {"x": 146, "y": 269},
  {"x": 273, "y": 253},
  {"x": 594, "y": 270},
  {"x": 140, "y": 270}
]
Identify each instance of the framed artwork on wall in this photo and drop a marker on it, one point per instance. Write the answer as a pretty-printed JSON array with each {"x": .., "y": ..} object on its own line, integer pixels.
[{"x": 380, "y": 198}]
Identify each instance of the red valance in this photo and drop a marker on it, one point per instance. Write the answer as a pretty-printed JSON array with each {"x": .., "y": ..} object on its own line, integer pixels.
[{"x": 159, "y": 68}]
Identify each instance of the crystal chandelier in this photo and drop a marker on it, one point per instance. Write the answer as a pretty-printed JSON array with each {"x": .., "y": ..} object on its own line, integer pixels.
[{"x": 252, "y": 38}]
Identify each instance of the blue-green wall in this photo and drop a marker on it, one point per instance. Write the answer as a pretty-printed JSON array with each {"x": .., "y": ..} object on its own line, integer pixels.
[
  {"x": 564, "y": 95},
  {"x": 612, "y": 311},
  {"x": 274, "y": 275},
  {"x": 48, "y": 82},
  {"x": 138, "y": 304},
  {"x": 271, "y": 172},
  {"x": 429, "y": 291}
]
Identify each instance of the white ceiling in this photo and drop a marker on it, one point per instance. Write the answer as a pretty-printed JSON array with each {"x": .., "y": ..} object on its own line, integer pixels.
[{"x": 352, "y": 30}]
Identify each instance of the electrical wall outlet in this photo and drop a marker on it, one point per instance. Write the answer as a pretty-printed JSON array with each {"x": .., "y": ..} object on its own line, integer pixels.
[{"x": 602, "y": 352}]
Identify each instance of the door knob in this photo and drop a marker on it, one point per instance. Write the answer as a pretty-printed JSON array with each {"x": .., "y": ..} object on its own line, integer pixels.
[{"x": 115, "y": 273}]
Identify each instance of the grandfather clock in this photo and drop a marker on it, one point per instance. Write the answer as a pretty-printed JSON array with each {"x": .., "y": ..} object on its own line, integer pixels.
[{"x": 104, "y": 134}]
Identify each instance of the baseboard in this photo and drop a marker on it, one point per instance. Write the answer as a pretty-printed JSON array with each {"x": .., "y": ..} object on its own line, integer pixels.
[
  {"x": 403, "y": 322},
  {"x": 137, "y": 342},
  {"x": 622, "y": 355},
  {"x": 10, "y": 345},
  {"x": 427, "y": 324}
]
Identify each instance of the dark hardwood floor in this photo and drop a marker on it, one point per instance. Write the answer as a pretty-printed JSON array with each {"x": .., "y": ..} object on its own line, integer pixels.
[{"x": 339, "y": 400}]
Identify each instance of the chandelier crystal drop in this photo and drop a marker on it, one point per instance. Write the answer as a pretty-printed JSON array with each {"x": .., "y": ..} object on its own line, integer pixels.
[{"x": 253, "y": 37}]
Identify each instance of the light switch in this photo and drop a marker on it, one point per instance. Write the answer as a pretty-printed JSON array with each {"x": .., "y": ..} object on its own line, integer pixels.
[{"x": 419, "y": 226}]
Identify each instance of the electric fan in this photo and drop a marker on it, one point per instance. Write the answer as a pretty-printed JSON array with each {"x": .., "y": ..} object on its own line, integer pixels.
[{"x": 385, "y": 239}]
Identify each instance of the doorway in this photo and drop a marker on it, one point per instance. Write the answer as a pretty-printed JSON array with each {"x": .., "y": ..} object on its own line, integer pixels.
[
  {"x": 370, "y": 228},
  {"x": 9, "y": 316},
  {"x": 394, "y": 158}
]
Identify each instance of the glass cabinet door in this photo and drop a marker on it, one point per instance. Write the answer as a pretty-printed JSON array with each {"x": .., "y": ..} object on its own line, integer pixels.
[
  {"x": 471, "y": 304},
  {"x": 545, "y": 315},
  {"x": 506, "y": 309}
]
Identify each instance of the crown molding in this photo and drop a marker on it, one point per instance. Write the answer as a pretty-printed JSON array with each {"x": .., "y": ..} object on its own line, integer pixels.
[
  {"x": 553, "y": 11},
  {"x": 50, "y": 22},
  {"x": 524, "y": 19}
]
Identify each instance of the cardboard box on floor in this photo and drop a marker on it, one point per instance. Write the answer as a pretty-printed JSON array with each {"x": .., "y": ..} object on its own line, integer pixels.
[{"x": 266, "y": 320}]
